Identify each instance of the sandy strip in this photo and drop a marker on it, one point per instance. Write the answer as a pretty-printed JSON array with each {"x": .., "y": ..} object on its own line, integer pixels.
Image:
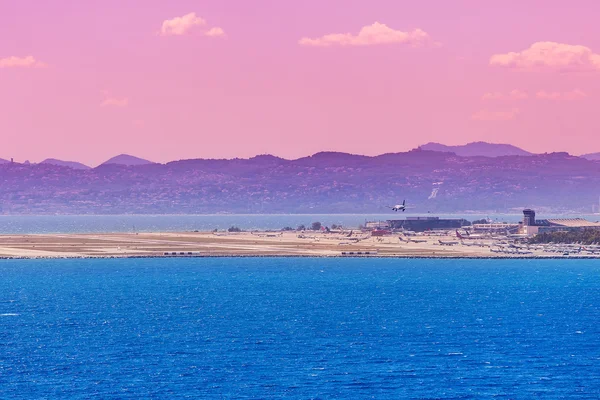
[{"x": 238, "y": 244}]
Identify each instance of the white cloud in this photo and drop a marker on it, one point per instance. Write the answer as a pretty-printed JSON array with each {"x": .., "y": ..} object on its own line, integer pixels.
[
  {"x": 181, "y": 25},
  {"x": 374, "y": 34},
  {"x": 21, "y": 62},
  {"x": 111, "y": 101},
  {"x": 558, "y": 96},
  {"x": 550, "y": 55},
  {"x": 215, "y": 32},
  {"x": 512, "y": 95}
]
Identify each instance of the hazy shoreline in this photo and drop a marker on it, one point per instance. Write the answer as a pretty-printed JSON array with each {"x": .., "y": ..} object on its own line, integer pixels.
[
  {"x": 399, "y": 257},
  {"x": 250, "y": 244}
]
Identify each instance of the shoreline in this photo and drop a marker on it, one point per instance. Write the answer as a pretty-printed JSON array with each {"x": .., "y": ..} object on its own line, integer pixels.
[
  {"x": 398, "y": 257},
  {"x": 261, "y": 244}
]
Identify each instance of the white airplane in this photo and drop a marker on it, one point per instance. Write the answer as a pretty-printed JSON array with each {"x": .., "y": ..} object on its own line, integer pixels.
[
  {"x": 449, "y": 243},
  {"x": 399, "y": 207},
  {"x": 468, "y": 235}
]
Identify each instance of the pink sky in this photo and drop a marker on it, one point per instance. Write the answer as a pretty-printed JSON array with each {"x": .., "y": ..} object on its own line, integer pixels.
[{"x": 168, "y": 80}]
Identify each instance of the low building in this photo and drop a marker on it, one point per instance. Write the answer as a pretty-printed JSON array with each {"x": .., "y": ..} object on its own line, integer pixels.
[
  {"x": 377, "y": 225},
  {"x": 380, "y": 232},
  {"x": 422, "y": 224},
  {"x": 495, "y": 227}
]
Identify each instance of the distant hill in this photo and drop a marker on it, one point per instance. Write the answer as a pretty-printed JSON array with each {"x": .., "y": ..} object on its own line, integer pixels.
[
  {"x": 325, "y": 183},
  {"x": 70, "y": 164},
  {"x": 478, "y": 149},
  {"x": 331, "y": 158},
  {"x": 3, "y": 161},
  {"x": 591, "y": 156},
  {"x": 126, "y": 159}
]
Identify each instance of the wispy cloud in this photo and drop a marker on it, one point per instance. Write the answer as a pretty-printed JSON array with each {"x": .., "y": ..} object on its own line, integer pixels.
[
  {"x": 550, "y": 55},
  {"x": 111, "y": 101},
  {"x": 486, "y": 115},
  {"x": 215, "y": 32},
  {"x": 21, "y": 62},
  {"x": 512, "y": 95},
  {"x": 181, "y": 25},
  {"x": 374, "y": 34},
  {"x": 558, "y": 96}
]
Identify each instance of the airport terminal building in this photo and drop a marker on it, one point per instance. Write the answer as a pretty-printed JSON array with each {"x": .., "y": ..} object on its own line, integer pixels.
[
  {"x": 530, "y": 226},
  {"x": 422, "y": 224}
]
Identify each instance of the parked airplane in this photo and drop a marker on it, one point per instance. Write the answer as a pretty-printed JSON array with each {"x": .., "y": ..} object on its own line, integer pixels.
[
  {"x": 410, "y": 240},
  {"x": 267, "y": 234},
  {"x": 444, "y": 243},
  {"x": 470, "y": 244},
  {"x": 468, "y": 235}
]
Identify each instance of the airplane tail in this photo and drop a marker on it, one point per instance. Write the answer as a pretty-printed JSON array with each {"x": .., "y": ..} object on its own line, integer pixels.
[
  {"x": 404, "y": 202},
  {"x": 458, "y": 235}
]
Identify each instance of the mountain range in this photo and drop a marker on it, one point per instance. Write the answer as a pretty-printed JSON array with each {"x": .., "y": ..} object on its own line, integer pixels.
[
  {"x": 474, "y": 149},
  {"x": 326, "y": 182},
  {"x": 69, "y": 164},
  {"x": 121, "y": 159}
]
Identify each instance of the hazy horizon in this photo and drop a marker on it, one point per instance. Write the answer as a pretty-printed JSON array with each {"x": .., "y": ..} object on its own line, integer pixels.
[{"x": 270, "y": 154}]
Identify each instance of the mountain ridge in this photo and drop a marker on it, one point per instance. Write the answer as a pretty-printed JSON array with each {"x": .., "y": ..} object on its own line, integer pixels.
[
  {"x": 327, "y": 183},
  {"x": 127, "y": 160},
  {"x": 472, "y": 149},
  {"x": 591, "y": 156},
  {"x": 62, "y": 163},
  {"x": 484, "y": 149}
]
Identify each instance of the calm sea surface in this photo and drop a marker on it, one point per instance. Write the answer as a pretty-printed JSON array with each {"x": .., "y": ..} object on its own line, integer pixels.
[
  {"x": 24, "y": 224},
  {"x": 299, "y": 329}
]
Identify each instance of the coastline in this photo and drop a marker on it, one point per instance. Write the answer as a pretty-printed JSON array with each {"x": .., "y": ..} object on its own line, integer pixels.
[
  {"x": 261, "y": 244},
  {"x": 398, "y": 257}
]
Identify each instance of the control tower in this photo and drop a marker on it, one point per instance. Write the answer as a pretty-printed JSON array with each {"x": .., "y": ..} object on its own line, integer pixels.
[{"x": 528, "y": 217}]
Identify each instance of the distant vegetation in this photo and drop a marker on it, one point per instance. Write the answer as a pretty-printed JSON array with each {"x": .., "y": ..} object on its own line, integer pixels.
[
  {"x": 234, "y": 229},
  {"x": 480, "y": 221},
  {"x": 315, "y": 226},
  {"x": 587, "y": 236}
]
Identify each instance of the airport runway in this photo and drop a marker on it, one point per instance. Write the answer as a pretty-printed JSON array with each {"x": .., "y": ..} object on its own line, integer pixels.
[{"x": 239, "y": 244}]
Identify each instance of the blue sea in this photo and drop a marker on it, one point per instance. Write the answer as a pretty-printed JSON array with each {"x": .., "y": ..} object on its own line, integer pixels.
[{"x": 252, "y": 328}]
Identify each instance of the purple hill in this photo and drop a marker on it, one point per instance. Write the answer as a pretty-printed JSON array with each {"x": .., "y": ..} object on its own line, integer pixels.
[
  {"x": 61, "y": 163},
  {"x": 591, "y": 156},
  {"x": 126, "y": 159},
  {"x": 474, "y": 149}
]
